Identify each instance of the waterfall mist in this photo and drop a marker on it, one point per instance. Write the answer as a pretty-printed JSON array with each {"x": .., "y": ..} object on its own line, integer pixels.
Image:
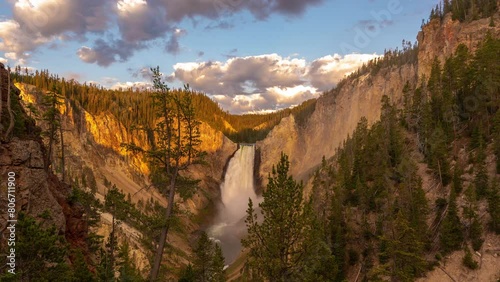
[{"x": 229, "y": 226}]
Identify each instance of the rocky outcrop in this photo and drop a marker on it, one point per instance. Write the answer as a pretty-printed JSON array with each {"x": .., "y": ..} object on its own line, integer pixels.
[
  {"x": 441, "y": 38},
  {"x": 33, "y": 194},
  {"x": 336, "y": 116},
  {"x": 93, "y": 143},
  {"x": 38, "y": 194},
  {"x": 338, "y": 112}
]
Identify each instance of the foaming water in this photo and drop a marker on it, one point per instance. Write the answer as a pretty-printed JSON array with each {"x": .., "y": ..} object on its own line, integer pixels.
[{"x": 238, "y": 187}]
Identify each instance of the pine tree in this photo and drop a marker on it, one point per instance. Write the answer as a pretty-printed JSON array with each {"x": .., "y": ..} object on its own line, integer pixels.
[
  {"x": 286, "y": 245},
  {"x": 175, "y": 149},
  {"x": 52, "y": 117},
  {"x": 457, "y": 179},
  {"x": 481, "y": 180},
  {"x": 475, "y": 231},
  {"x": 81, "y": 269},
  {"x": 41, "y": 252},
  {"x": 451, "y": 236},
  {"x": 209, "y": 261},
  {"x": 188, "y": 274},
  {"x": 494, "y": 206},
  {"x": 9, "y": 109},
  {"x": 406, "y": 251},
  {"x": 126, "y": 267},
  {"x": 217, "y": 266},
  {"x": 496, "y": 139},
  {"x": 468, "y": 260},
  {"x": 203, "y": 258}
]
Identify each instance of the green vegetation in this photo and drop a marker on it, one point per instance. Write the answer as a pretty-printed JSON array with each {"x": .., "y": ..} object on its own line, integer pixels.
[
  {"x": 286, "y": 246},
  {"x": 175, "y": 149},
  {"x": 374, "y": 174},
  {"x": 494, "y": 206},
  {"x": 208, "y": 263},
  {"x": 369, "y": 196},
  {"x": 468, "y": 261},
  {"x": 52, "y": 117},
  {"x": 465, "y": 10},
  {"x": 451, "y": 236},
  {"x": 408, "y": 54},
  {"x": 40, "y": 252},
  {"x": 13, "y": 120},
  {"x": 135, "y": 108},
  {"x": 367, "y": 208}
]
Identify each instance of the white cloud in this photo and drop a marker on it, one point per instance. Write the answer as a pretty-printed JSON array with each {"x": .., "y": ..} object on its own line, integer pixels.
[
  {"x": 140, "y": 22},
  {"x": 266, "y": 82},
  {"x": 130, "y": 5},
  {"x": 134, "y": 85},
  {"x": 328, "y": 70},
  {"x": 11, "y": 55},
  {"x": 87, "y": 55},
  {"x": 16, "y": 43},
  {"x": 289, "y": 92},
  {"x": 56, "y": 17}
]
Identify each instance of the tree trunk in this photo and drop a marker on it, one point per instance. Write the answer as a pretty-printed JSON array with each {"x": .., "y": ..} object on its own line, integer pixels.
[
  {"x": 9, "y": 108},
  {"x": 1, "y": 101},
  {"x": 62, "y": 152},
  {"x": 112, "y": 247},
  {"x": 155, "y": 269},
  {"x": 51, "y": 143}
]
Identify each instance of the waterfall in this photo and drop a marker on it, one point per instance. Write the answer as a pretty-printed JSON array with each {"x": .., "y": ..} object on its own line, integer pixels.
[{"x": 238, "y": 187}]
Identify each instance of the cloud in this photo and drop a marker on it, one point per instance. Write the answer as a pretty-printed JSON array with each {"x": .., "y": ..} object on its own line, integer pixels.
[
  {"x": 373, "y": 25},
  {"x": 133, "y": 85},
  {"x": 139, "y": 22},
  {"x": 257, "y": 83},
  {"x": 55, "y": 17},
  {"x": 73, "y": 75},
  {"x": 219, "y": 25},
  {"x": 16, "y": 43},
  {"x": 36, "y": 23},
  {"x": 293, "y": 7},
  {"x": 242, "y": 74},
  {"x": 328, "y": 70},
  {"x": 231, "y": 54},
  {"x": 105, "y": 53},
  {"x": 143, "y": 73},
  {"x": 3, "y": 61},
  {"x": 173, "y": 45}
]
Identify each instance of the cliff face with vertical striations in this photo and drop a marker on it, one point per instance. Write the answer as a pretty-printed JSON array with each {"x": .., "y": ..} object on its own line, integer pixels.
[
  {"x": 441, "y": 39},
  {"x": 95, "y": 141},
  {"x": 336, "y": 116},
  {"x": 338, "y": 112},
  {"x": 93, "y": 144},
  {"x": 38, "y": 194}
]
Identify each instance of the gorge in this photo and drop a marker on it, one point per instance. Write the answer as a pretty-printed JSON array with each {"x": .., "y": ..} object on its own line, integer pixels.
[
  {"x": 367, "y": 153},
  {"x": 238, "y": 187}
]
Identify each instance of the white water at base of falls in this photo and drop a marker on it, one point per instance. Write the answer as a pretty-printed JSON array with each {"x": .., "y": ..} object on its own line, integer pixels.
[{"x": 229, "y": 226}]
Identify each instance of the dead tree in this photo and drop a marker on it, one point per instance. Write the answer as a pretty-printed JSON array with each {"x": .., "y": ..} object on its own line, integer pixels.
[{"x": 9, "y": 108}]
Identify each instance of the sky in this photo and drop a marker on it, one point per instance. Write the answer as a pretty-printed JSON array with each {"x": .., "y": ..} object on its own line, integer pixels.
[{"x": 248, "y": 55}]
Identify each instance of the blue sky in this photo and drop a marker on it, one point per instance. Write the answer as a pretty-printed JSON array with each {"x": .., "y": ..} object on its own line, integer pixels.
[{"x": 249, "y": 56}]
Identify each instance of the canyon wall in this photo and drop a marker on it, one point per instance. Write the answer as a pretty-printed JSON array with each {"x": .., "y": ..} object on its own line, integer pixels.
[{"x": 338, "y": 111}]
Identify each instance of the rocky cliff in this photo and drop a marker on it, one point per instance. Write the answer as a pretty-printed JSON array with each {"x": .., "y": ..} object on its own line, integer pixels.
[
  {"x": 95, "y": 141},
  {"x": 336, "y": 115},
  {"x": 38, "y": 193},
  {"x": 93, "y": 146},
  {"x": 441, "y": 38},
  {"x": 338, "y": 111}
]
